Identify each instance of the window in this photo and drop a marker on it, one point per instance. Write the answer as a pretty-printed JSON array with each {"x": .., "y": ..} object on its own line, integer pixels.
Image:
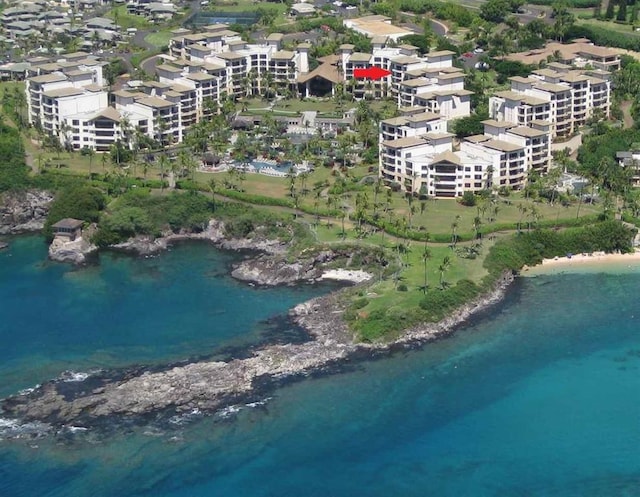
[{"x": 75, "y": 122}]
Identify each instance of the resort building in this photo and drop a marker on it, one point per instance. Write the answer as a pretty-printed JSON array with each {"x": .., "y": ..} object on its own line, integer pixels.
[
  {"x": 57, "y": 90},
  {"x": 561, "y": 96},
  {"x": 630, "y": 159},
  {"x": 579, "y": 53},
  {"x": 67, "y": 97},
  {"x": 418, "y": 155}
]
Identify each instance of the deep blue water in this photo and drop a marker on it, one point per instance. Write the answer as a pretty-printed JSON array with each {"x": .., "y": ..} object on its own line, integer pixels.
[{"x": 541, "y": 398}]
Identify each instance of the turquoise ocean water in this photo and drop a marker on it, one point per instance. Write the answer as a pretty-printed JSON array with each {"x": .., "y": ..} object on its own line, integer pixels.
[{"x": 539, "y": 398}]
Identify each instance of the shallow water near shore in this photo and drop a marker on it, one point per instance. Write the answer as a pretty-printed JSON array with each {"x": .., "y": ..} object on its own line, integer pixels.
[{"x": 541, "y": 397}]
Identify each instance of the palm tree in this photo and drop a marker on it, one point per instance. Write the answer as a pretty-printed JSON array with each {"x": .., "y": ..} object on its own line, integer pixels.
[
  {"x": 477, "y": 223},
  {"x": 426, "y": 255},
  {"x": 163, "y": 162},
  {"x": 376, "y": 190},
  {"x": 91, "y": 153},
  {"x": 213, "y": 184},
  {"x": 454, "y": 229},
  {"x": 523, "y": 210},
  {"x": 443, "y": 268}
]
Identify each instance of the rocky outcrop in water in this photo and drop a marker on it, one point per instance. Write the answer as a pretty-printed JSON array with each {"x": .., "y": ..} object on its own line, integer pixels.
[
  {"x": 24, "y": 211},
  {"x": 74, "y": 251},
  {"x": 273, "y": 269},
  {"x": 213, "y": 385},
  {"x": 267, "y": 270}
]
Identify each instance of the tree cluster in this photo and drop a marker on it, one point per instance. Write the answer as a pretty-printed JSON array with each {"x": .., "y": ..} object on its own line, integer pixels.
[
  {"x": 82, "y": 202},
  {"x": 14, "y": 173}
]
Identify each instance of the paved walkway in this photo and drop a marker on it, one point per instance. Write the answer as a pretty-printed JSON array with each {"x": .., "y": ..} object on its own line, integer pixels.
[{"x": 573, "y": 144}]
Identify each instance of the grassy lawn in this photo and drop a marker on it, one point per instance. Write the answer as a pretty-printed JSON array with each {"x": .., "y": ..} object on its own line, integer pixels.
[
  {"x": 244, "y": 6},
  {"x": 159, "y": 39},
  {"x": 295, "y": 105},
  {"x": 257, "y": 184},
  {"x": 126, "y": 20},
  {"x": 436, "y": 217},
  {"x": 440, "y": 214},
  {"x": 624, "y": 29}
]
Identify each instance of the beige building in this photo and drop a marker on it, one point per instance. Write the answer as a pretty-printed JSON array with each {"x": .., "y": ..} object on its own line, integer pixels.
[{"x": 564, "y": 97}]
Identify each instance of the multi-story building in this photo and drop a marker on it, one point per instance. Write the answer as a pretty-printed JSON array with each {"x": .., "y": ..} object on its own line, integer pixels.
[
  {"x": 421, "y": 158},
  {"x": 630, "y": 159},
  {"x": 564, "y": 97}
]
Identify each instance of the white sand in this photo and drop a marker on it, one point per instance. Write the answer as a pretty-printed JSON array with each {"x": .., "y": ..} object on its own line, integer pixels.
[
  {"x": 596, "y": 261},
  {"x": 357, "y": 276}
]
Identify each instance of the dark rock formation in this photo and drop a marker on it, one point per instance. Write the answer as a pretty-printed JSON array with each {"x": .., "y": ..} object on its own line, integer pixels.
[
  {"x": 23, "y": 211},
  {"x": 213, "y": 385}
]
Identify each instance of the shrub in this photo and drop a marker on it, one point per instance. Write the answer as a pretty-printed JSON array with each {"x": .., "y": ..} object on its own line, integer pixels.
[
  {"x": 468, "y": 199},
  {"x": 81, "y": 202}
]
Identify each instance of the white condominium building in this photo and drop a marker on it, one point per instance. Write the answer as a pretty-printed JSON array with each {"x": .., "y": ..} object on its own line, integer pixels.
[
  {"x": 564, "y": 97},
  {"x": 419, "y": 156},
  {"x": 248, "y": 68}
]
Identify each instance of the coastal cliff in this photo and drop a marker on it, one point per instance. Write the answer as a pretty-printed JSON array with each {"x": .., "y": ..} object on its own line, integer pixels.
[{"x": 24, "y": 211}]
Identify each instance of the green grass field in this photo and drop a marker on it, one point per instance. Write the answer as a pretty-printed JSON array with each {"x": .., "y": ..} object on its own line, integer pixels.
[
  {"x": 625, "y": 29},
  {"x": 159, "y": 39},
  {"x": 125, "y": 20}
]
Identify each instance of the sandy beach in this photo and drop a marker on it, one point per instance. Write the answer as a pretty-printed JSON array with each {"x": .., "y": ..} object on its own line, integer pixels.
[{"x": 588, "y": 262}]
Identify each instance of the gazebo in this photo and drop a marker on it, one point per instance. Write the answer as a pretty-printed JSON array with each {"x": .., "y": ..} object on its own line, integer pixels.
[{"x": 69, "y": 228}]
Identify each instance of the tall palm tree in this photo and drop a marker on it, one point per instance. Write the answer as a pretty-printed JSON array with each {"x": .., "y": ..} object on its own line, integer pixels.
[
  {"x": 213, "y": 185},
  {"x": 163, "y": 162},
  {"x": 454, "y": 229},
  {"x": 426, "y": 255},
  {"x": 91, "y": 153},
  {"x": 443, "y": 268},
  {"x": 477, "y": 223}
]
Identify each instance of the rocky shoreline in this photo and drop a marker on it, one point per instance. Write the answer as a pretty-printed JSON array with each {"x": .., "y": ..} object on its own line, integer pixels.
[
  {"x": 22, "y": 212},
  {"x": 211, "y": 385}
]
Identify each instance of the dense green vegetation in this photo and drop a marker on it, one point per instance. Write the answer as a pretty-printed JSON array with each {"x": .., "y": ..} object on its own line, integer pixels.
[
  {"x": 14, "y": 174},
  {"x": 141, "y": 212},
  {"x": 530, "y": 248},
  {"x": 605, "y": 37},
  {"x": 508, "y": 254},
  {"x": 82, "y": 202},
  {"x": 574, "y": 4}
]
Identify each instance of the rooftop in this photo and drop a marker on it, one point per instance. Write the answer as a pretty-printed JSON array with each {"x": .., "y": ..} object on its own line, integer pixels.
[
  {"x": 68, "y": 223},
  {"x": 503, "y": 146},
  {"x": 526, "y": 131},
  {"x": 498, "y": 124},
  {"x": 447, "y": 157},
  {"x": 155, "y": 102},
  {"x": 63, "y": 92},
  {"x": 410, "y": 141}
]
